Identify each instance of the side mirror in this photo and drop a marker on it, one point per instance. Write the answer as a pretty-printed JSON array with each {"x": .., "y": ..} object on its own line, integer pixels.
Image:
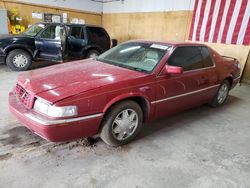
[
  {"x": 114, "y": 42},
  {"x": 172, "y": 70}
]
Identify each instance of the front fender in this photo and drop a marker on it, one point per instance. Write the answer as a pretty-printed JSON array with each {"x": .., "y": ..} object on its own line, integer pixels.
[
  {"x": 128, "y": 96},
  {"x": 18, "y": 46}
]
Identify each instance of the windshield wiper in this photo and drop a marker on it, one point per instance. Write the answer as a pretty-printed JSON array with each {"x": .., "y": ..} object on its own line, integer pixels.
[
  {"x": 137, "y": 69},
  {"x": 121, "y": 65}
]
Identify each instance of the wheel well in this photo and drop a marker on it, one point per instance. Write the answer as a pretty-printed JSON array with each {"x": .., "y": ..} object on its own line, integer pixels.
[
  {"x": 139, "y": 100},
  {"x": 93, "y": 48},
  {"x": 230, "y": 79},
  {"x": 18, "y": 48},
  {"x": 143, "y": 104}
]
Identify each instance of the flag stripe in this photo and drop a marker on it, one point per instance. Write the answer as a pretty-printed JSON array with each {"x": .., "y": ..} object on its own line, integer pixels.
[
  {"x": 205, "y": 20},
  {"x": 246, "y": 40},
  {"x": 228, "y": 20},
  {"x": 219, "y": 20},
  {"x": 214, "y": 20},
  {"x": 197, "y": 14},
  {"x": 193, "y": 19},
  {"x": 239, "y": 21},
  {"x": 203, "y": 5},
  {"x": 244, "y": 24},
  {"x": 223, "y": 21},
  {"x": 209, "y": 21},
  {"x": 232, "y": 24}
]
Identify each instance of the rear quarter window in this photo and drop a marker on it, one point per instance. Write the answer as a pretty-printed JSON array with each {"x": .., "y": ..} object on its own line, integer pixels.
[
  {"x": 96, "y": 32},
  {"x": 187, "y": 57},
  {"x": 97, "y": 35},
  {"x": 191, "y": 58},
  {"x": 207, "y": 59}
]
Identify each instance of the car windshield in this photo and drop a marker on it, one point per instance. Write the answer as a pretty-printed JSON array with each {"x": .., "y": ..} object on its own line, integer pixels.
[
  {"x": 34, "y": 29},
  {"x": 143, "y": 57}
]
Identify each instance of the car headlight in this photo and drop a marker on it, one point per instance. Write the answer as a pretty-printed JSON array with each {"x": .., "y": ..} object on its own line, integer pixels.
[
  {"x": 238, "y": 65},
  {"x": 54, "y": 111}
]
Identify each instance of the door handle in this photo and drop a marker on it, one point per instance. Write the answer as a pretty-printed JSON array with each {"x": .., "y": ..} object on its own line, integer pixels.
[
  {"x": 144, "y": 89},
  {"x": 38, "y": 42},
  {"x": 204, "y": 80}
]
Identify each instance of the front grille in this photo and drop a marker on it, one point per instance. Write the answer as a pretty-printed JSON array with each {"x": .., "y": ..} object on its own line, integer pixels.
[{"x": 24, "y": 97}]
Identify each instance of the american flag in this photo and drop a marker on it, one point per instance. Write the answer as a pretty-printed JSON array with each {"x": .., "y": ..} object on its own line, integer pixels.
[{"x": 221, "y": 21}]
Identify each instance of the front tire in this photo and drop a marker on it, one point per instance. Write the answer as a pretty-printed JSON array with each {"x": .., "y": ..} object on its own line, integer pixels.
[
  {"x": 122, "y": 123},
  {"x": 221, "y": 95},
  {"x": 18, "y": 60},
  {"x": 92, "y": 54}
]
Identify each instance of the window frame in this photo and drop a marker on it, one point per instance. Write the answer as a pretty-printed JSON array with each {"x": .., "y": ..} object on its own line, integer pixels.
[
  {"x": 186, "y": 71},
  {"x": 50, "y": 25},
  {"x": 82, "y": 31}
]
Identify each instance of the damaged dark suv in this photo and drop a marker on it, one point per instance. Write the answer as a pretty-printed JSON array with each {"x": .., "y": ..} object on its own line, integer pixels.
[{"x": 53, "y": 42}]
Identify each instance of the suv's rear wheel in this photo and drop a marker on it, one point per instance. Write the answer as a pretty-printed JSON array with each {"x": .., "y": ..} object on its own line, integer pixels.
[
  {"x": 122, "y": 123},
  {"x": 92, "y": 54},
  {"x": 18, "y": 60}
]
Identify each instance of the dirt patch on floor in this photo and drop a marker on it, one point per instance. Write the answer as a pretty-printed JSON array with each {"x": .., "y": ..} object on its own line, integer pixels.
[
  {"x": 5, "y": 156},
  {"x": 84, "y": 143},
  {"x": 18, "y": 136}
]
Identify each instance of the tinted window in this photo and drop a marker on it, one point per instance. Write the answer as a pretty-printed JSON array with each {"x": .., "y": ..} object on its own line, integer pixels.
[
  {"x": 207, "y": 60},
  {"x": 77, "y": 32},
  {"x": 189, "y": 58},
  {"x": 96, "y": 33}
]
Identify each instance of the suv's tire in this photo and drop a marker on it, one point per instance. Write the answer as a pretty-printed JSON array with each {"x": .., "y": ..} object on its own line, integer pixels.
[
  {"x": 18, "y": 60},
  {"x": 122, "y": 123},
  {"x": 92, "y": 54},
  {"x": 221, "y": 95}
]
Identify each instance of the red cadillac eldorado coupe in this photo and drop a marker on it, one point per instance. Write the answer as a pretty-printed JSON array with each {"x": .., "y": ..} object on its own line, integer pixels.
[{"x": 115, "y": 94}]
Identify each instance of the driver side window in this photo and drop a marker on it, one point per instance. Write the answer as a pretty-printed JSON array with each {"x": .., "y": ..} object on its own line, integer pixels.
[
  {"x": 56, "y": 32},
  {"x": 187, "y": 57}
]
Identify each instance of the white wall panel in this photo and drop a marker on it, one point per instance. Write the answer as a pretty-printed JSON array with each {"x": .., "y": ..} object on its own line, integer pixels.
[
  {"x": 3, "y": 22},
  {"x": 147, "y": 6},
  {"x": 84, "y": 5}
]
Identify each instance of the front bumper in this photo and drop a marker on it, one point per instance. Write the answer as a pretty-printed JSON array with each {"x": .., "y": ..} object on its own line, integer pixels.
[
  {"x": 55, "y": 130},
  {"x": 235, "y": 82}
]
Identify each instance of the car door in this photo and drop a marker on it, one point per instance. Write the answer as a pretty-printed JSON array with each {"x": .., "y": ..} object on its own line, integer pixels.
[
  {"x": 77, "y": 40},
  {"x": 176, "y": 93},
  {"x": 212, "y": 72},
  {"x": 51, "y": 43}
]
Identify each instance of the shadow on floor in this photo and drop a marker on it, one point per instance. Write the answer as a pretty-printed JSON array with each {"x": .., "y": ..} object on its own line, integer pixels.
[{"x": 175, "y": 121}]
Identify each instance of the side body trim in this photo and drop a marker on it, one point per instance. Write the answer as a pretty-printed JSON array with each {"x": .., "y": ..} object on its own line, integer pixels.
[
  {"x": 185, "y": 94},
  {"x": 60, "y": 121}
]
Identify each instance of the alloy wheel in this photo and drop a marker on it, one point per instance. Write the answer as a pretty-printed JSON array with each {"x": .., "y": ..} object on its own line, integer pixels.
[
  {"x": 20, "y": 60},
  {"x": 125, "y": 124},
  {"x": 222, "y": 94}
]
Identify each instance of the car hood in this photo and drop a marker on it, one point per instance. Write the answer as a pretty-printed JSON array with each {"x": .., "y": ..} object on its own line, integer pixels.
[{"x": 61, "y": 81}]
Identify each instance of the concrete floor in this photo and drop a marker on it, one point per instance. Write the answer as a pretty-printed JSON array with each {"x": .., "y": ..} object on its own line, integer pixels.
[{"x": 202, "y": 147}]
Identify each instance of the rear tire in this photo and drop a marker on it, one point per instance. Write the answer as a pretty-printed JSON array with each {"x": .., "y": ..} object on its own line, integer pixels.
[
  {"x": 92, "y": 54},
  {"x": 122, "y": 123},
  {"x": 18, "y": 60},
  {"x": 221, "y": 95}
]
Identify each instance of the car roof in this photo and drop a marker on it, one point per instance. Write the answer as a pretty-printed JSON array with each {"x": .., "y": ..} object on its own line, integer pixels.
[
  {"x": 169, "y": 43},
  {"x": 69, "y": 24}
]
